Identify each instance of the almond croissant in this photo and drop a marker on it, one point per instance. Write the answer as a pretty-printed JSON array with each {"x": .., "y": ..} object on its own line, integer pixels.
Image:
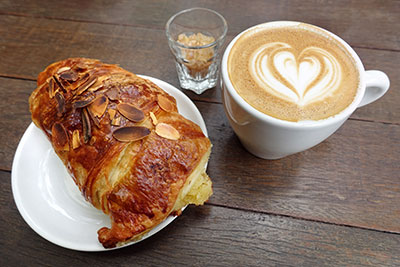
[{"x": 124, "y": 143}]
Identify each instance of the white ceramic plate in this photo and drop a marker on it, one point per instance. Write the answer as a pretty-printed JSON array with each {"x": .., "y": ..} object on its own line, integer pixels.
[{"x": 52, "y": 204}]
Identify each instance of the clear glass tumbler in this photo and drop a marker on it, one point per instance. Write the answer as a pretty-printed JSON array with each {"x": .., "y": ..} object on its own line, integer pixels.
[{"x": 195, "y": 37}]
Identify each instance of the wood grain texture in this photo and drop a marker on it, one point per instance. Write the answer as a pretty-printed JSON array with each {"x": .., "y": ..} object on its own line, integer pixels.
[
  {"x": 352, "y": 178},
  {"x": 14, "y": 116},
  {"x": 28, "y": 45},
  {"x": 387, "y": 108},
  {"x": 208, "y": 235},
  {"x": 362, "y": 23},
  {"x": 337, "y": 204}
]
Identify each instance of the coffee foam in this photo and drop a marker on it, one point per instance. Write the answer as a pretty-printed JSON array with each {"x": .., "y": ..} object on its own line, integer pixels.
[{"x": 293, "y": 72}]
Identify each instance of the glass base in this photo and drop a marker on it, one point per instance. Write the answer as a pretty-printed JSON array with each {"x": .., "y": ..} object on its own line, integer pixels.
[
  {"x": 198, "y": 86},
  {"x": 197, "y": 82}
]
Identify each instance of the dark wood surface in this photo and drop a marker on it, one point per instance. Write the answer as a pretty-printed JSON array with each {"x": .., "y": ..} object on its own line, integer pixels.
[{"x": 336, "y": 204}]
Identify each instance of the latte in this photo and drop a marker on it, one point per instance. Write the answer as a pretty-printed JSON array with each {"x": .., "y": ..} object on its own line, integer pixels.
[{"x": 293, "y": 73}]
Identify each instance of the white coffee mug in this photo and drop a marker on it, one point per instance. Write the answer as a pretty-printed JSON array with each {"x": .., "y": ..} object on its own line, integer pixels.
[{"x": 271, "y": 138}]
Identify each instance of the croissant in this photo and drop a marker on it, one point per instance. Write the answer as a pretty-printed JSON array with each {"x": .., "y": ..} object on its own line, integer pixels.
[{"x": 120, "y": 136}]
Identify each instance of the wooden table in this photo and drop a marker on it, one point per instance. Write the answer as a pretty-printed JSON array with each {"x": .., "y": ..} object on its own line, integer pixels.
[{"x": 335, "y": 204}]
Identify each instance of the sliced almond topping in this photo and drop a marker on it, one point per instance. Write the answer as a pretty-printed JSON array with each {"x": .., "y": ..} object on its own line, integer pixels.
[
  {"x": 95, "y": 88},
  {"x": 92, "y": 140},
  {"x": 52, "y": 87},
  {"x": 113, "y": 93},
  {"x": 112, "y": 112},
  {"x": 130, "y": 112},
  {"x": 99, "y": 106},
  {"x": 131, "y": 133},
  {"x": 94, "y": 118},
  {"x": 59, "y": 137},
  {"x": 82, "y": 102},
  {"x": 86, "y": 85},
  {"x": 165, "y": 103},
  {"x": 116, "y": 121},
  {"x": 167, "y": 131},
  {"x": 86, "y": 128},
  {"x": 60, "y": 104},
  {"x": 57, "y": 81},
  {"x": 69, "y": 75},
  {"x": 76, "y": 140},
  {"x": 84, "y": 78},
  {"x": 153, "y": 118},
  {"x": 63, "y": 69},
  {"x": 80, "y": 66}
]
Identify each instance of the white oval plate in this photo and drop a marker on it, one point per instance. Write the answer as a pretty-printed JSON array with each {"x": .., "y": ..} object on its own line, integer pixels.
[{"x": 51, "y": 203}]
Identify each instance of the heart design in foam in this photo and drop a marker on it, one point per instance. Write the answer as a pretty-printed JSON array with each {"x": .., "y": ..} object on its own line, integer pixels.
[{"x": 301, "y": 77}]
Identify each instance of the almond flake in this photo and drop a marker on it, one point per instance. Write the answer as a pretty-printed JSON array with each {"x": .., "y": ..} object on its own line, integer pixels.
[
  {"x": 60, "y": 104},
  {"x": 116, "y": 121},
  {"x": 99, "y": 106},
  {"x": 84, "y": 78},
  {"x": 153, "y": 118},
  {"x": 82, "y": 103},
  {"x": 130, "y": 112},
  {"x": 92, "y": 140},
  {"x": 111, "y": 113},
  {"x": 52, "y": 87},
  {"x": 86, "y": 85},
  {"x": 94, "y": 118},
  {"x": 165, "y": 103},
  {"x": 69, "y": 75},
  {"x": 76, "y": 140},
  {"x": 131, "y": 133},
  {"x": 57, "y": 81},
  {"x": 167, "y": 131},
  {"x": 63, "y": 69},
  {"x": 80, "y": 66},
  {"x": 86, "y": 128},
  {"x": 112, "y": 93},
  {"x": 95, "y": 88},
  {"x": 59, "y": 137}
]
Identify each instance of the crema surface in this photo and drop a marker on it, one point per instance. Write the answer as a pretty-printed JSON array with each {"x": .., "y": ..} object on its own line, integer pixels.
[{"x": 293, "y": 73}]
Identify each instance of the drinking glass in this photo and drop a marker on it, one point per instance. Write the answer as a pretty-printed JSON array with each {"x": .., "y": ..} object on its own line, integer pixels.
[{"x": 195, "y": 37}]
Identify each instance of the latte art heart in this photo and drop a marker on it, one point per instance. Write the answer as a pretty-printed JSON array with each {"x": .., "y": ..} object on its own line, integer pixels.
[
  {"x": 301, "y": 77},
  {"x": 294, "y": 73}
]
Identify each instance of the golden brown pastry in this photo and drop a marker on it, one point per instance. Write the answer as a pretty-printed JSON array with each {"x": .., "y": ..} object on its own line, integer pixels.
[{"x": 127, "y": 148}]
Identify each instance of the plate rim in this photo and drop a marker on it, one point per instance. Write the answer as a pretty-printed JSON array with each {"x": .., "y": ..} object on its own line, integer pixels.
[{"x": 17, "y": 161}]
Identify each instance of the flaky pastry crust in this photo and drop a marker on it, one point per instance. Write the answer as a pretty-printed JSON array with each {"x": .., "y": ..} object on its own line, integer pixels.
[{"x": 124, "y": 143}]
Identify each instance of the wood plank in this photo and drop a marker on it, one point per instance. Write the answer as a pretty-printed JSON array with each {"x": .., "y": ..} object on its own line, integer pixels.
[
  {"x": 352, "y": 178},
  {"x": 352, "y": 20},
  {"x": 386, "y": 109},
  {"x": 28, "y": 45},
  {"x": 334, "y": 205},
  {"x": 14, "y": 116},
  {"x": 208, "y": 235}
]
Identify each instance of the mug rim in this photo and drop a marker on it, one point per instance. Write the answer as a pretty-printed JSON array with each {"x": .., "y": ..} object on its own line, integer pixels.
[{"x": 343, "y": 115}]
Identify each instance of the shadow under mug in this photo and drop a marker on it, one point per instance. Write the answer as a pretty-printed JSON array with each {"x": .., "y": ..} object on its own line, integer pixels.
[{"x": 271, "y": 138}]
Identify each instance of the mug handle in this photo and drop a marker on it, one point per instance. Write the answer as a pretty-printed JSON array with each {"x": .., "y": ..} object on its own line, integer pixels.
[{"x": 377, "y": 83}]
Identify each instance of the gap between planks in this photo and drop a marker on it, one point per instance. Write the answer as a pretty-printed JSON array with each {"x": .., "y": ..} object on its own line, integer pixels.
[
  {"x": 81, "y": 20},
  {"x": 142, "y": 26},
  {"x": 300, "y": 218}
]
